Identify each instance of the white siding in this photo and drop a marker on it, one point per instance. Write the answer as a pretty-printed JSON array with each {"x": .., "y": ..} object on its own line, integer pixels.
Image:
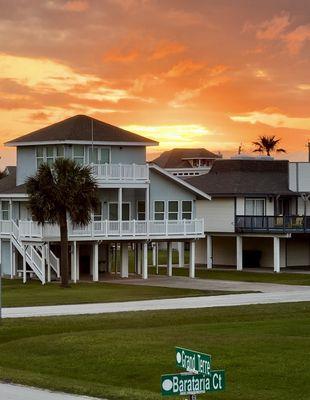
[
  {"x": 218, "y": 214},
  {"x": 299, "y": 176}
]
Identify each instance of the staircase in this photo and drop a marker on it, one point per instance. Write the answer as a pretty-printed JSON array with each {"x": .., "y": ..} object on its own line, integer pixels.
[{"x": 38, "y": 256}]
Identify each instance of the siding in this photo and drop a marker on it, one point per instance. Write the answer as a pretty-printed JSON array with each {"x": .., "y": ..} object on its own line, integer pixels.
[
  {"x": 26, "y": 163},
  {"x": 218, "y": 214}
]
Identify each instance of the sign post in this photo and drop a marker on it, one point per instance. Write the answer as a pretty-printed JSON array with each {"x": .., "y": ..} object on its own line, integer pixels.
[{"x": 198, "y": 377}]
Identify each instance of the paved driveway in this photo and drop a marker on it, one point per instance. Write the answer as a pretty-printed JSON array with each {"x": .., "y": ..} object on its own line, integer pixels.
[{"x": 18, "y": 392}]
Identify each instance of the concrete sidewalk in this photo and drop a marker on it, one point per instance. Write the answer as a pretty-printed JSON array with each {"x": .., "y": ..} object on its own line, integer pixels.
[
  {"x": 164, "y": 304},
  {"x": 18, "y": 392}
]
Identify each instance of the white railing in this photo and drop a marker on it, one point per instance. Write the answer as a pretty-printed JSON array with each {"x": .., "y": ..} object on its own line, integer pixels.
[
  {"x": 121, "y": 172},
  {"x": 111, "y": 229},
  {"x": 53, "y": 260}
]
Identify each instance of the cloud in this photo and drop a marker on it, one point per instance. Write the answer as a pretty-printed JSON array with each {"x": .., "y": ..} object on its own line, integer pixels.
[
  {"x": 165, "y": 49},
  {"x": 183, "y": 68},
  {"x": 304, "y": 86},
  {"x": 76, "y": 5},
  {"x": 275, "y": 120},
  {"x": 188, "y": 135},
  {"x": 296, "y": 39},
  {"x": 273, "y": 29},
  {"x": 116, "y": 55}
]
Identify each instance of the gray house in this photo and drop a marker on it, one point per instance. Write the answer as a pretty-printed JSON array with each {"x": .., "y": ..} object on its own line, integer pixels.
[
  {"x": 139, "y": 203},
  {"x": 259, "y": 215}
]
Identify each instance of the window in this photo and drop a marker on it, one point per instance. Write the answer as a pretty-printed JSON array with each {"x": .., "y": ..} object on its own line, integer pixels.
[
  {"x": 48, "y": 154},
  {"x": 78, "y": 154},
  {"x": 99, "y": 155},
  {"x": 254, "y": 206},
  {"x": 141, "y": 210},
  {"x": 5, "y": 210},
  {"x": 173, "y": 210},
  {"x": 159, "y": 210},
  {"x": 187, "y": 209},
  {"x": 98, "y": 213},
  {"x": 113, "y": 211}
]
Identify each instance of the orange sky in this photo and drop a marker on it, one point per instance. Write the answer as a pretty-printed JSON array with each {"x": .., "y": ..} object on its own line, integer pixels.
[{"x": 187, "y": 73}]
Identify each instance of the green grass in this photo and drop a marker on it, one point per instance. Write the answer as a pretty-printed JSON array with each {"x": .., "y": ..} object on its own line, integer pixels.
[
  {"x": 17, "y": 294},
  {"x": 264, "y": 350},
  {"x": 264, "y": 277}
]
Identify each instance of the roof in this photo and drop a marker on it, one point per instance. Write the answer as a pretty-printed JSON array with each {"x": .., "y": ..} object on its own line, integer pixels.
[
  {"x": 245, "y": 177},
  {"x": 79, "y": 129},
  {"x": 200, "y": 194},
  {"x": 8, "y": 183},
  {"x": 178, "y": 158}
]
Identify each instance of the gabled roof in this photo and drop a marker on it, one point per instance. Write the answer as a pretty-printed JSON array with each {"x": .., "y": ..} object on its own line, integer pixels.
[
  {"x": 79, "y": 129},
  {"x": 8, "y": 183},
  {"x": 178, "y": 158},
  {"x": 185, "y": 184},
  {"x": 245, "y": 177}
]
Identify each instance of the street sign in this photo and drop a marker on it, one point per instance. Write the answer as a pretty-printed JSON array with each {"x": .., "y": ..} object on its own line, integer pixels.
[
  {"x": 193, "y": 361},
  {"x": 191, "y": 384}
]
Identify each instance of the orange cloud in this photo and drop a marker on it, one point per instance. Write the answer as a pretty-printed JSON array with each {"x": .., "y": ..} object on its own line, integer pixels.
[
  {"x": 76, "y": 5},
  {"x": 185, "y": 67},
  {"x": 272, "y": 29},
  {"x": 123, "y": 57},
  {"x": 297, "y": 38},
  {"x": 165, "y": 49}
]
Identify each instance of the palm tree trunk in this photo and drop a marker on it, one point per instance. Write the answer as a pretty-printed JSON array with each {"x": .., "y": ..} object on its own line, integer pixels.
[{"x": 64, "y": 259}]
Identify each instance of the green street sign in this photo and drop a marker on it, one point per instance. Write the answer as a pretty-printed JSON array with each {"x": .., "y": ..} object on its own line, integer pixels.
[
  {"x": 190, "y": 384},
  {"x": 193, "y": 361}
]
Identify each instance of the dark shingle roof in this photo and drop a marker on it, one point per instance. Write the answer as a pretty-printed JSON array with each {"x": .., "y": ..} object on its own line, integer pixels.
[
  {"x": 177, "y": 158},
  {"x": 251, "y": 177},
  {"x": 8, "y": 183},
  {"x": 78, "y": 128}
]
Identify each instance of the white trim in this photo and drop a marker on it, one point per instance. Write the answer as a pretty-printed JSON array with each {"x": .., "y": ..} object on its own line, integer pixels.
[
  {"x": 14, "y": 196},
  {"x": 82, "y": 142},
  {"x": 89, "y": 148},
  {"x": 181, "y": 182}
]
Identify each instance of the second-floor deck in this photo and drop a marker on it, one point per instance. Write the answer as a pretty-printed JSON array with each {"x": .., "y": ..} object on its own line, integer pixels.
[
  {"x": 106, "y": 230},
  {"x": 272, "y": 224},
  {"x": 121, "y": 173}
]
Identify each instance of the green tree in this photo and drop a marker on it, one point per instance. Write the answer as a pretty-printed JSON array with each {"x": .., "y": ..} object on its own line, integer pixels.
[
  {"x": 267, "y": 145},
  {"x": 61, "y": 191}
]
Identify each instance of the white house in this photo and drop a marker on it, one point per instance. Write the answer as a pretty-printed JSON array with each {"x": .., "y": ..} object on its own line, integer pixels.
[
  {"x": 139, "y": 203},
  {"x": 259, "y": 215}
]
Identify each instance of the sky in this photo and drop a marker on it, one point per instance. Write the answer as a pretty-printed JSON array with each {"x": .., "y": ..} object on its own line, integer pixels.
[{"x": 198, "y": 73}]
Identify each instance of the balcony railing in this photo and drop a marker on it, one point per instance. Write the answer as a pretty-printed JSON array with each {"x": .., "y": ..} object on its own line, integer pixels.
[
  {"x": 127, "y": 173},
  {"x": 101, "y": 230},
  {"x": 273, "y": 224}
]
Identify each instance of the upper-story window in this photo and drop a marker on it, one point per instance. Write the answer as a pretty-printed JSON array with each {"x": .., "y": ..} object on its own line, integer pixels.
[
  {"x": 254, "y": 206},
  {"x": 48, "y": 154},
  {"x": 5, "y": 210},
  {"x": 99, "y": 155},
  {"x": 173, "y": 210},
  {"x": 159, "y": 210},
  {"x": 78, "y": 154},
  {"x": 187, "y": 209},
  {"x": 141, "y": 210}
]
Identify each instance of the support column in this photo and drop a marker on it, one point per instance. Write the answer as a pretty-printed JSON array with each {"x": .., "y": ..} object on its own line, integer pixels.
[
  {"x": 169, "y": 260},
  {"x": 147, "y": 203},
  {"x": 181, "y": 254},
  {"x": 192, "y": 247},
  {"x": 144, "y": 262},
  {"x": 12, "y": 253},
  {"x": 74, "y": 262},
  {"x": 154, "y": 254},
  {"x": 95, "y": 263},
  {"x": 24, "y": 265},
  {"x": 43, "y": 265},
  {"x": 209, "y": 252},
  {"x": 77, "y": 262},
  {"x": 239, "y": 255},
  {"x": 49, "y": 270},
  {"x": 124, "y": 260},
  {"x": 276, "y": 254},
  {"x": 139, "y": 255}
]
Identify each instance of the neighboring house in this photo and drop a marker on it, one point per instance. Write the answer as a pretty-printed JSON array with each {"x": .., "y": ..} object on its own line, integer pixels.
[
  {"x": 187, "y": 162},
  {"x": 139, "y": 203},
  {"x": 259, "y": 214}
]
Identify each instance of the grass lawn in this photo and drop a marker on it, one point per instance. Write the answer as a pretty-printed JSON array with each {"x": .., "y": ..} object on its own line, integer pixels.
[
  {"x": 264, "y": 277},
  {"x": 264, "y": 350},
  {"x": 17, "y": 294}
]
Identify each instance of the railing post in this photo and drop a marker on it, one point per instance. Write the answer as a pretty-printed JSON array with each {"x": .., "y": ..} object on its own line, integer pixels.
[
  {"x": 134, "y": 228},
  {"x": 184, "y": 226},
  {"x": 166, "y": 227},
  {"x": 92, "y": 228},
  {"x": 133, "y": 172},
  {"x": 106, "y": 228}
]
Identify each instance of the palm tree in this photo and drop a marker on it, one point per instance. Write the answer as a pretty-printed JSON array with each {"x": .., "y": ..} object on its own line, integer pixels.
[
  {"x": 62, "y": 190},
  {"x": 267, "y": 144}
]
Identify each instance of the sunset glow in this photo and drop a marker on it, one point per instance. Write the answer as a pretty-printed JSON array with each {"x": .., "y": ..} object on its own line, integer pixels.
[{"x": 193, "y": 73}]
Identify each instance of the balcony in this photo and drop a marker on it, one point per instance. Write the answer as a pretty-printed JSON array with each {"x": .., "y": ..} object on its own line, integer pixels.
[
  {"x": 272, "y": 224},
  {"x": 107, "y": 230},
  {"x": 121, "y": 173}
]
